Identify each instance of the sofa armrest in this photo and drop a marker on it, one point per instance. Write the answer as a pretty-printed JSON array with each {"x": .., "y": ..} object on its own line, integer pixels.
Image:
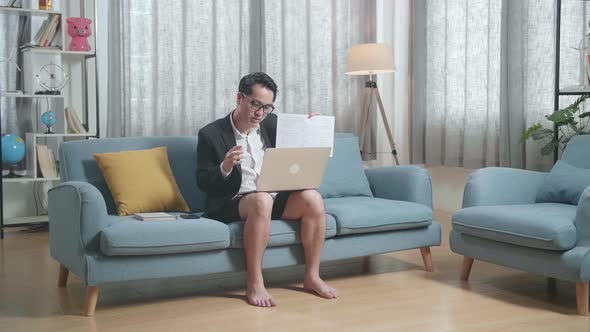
[
  {"x": 402, "y": 183},
  {"x": 582, "y": 221},
  {"x": 77, "y": 214},
  {"x": 502, "y": 186}
]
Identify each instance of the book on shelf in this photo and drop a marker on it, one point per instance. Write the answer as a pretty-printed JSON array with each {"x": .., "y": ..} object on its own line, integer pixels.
[
  {"x": 14, "y": 4},
  {"x": 74, "y": 124},
  {"x": 46, "y": 162},
  {"x": 56, "y": 41},
  {"x": 154, "y": 216},
  {"x": 48, "y": 33}
]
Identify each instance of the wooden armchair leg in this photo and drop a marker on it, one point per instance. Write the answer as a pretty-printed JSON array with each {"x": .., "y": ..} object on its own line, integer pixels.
[
  {"x": 582, "y": 298},
  {"x": 63, "y": 276},
  {"x": 466, "y": 269},
  {"x": 91, "y": 298},
  {"x": 427, "y": 258}
]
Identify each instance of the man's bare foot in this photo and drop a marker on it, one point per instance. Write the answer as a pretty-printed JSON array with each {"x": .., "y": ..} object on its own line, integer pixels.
[
  {"x": 318, "y": 286},
  {"x": 258, "y": 296}
]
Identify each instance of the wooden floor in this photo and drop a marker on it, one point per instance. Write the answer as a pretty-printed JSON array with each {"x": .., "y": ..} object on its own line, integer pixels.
[{"x": 390, "y": 293}]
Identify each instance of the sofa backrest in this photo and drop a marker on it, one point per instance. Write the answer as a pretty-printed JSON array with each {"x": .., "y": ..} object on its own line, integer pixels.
[
  {"x": 344, "y": 175},
  {"x": 577, "y": 152},
  {"x": 77, "y": 163}
]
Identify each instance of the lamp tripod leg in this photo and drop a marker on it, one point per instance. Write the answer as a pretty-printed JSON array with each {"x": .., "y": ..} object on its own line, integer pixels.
[
  {"x": 364, "y": 119},
  {"x": 387, "y": 129}
]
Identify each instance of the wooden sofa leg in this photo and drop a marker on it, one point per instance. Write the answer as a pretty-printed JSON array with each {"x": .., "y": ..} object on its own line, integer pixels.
[
  {"x": 427, "y": 258},
  {"x": 582, "y": 298},
  {"x": 63, "y": 276},
  {"x": 91, "y": 298},
  {"x": 466, "y": 269}
]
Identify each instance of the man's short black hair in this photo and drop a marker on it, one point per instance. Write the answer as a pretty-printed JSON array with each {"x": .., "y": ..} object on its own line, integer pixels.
[{"x": 250, "y": 80}]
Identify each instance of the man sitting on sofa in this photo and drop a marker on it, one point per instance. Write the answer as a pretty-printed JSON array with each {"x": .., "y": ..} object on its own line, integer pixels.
[{"x": 230, "y": 153}]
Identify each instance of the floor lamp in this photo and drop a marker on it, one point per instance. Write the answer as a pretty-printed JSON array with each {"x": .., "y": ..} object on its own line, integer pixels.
[{"x": 372, "y": 59}]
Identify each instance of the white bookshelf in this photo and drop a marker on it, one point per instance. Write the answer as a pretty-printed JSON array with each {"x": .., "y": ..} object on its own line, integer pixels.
[
  {"x": 28, "y": 178},
  {"x": 65, "y": 135},
  {"x": 573, "y": 90},
  {"x": 28, "y": 95},
  {"x": 80, "y": 93},
  {"x": 24, "y": 220},
  {"x": 56, "y": 51},
  {"x": 26, "y": 11}
]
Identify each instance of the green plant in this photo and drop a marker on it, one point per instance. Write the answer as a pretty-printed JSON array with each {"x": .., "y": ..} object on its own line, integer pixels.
[{"x": 568, "y": 122}]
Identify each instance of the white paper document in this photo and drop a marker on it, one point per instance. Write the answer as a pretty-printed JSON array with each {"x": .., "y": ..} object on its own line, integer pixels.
[{"x": 299, "y": 131}]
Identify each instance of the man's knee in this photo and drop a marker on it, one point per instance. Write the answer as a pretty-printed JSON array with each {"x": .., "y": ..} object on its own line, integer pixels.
[
  {"x": 259, "y": 204},
  {"x": 313, "y": 200}
]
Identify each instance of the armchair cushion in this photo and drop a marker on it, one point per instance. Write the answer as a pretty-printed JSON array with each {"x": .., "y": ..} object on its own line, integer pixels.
[
  {"x": 356, "y": 215},
  {"x": 564, "y": 184},
  {"x": 543, "y": 225},
  {"x": 129, "y": 236},
  {"x": 282, "y": 232}
]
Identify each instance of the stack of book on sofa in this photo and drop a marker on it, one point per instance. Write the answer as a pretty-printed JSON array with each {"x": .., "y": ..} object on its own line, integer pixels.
[{"x": 154, "y": 216}]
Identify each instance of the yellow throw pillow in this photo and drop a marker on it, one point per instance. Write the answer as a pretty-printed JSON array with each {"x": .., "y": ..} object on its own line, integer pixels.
[{"x": 141, "y": 181}]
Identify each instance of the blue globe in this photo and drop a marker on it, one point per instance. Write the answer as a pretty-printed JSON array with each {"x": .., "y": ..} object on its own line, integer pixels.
[
  {"x": 13, "y": 149},
  {"x": 48, "y": 118}
]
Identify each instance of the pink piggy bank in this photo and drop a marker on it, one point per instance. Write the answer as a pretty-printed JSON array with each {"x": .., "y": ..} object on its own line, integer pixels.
[{"x": 79, "y": 30}]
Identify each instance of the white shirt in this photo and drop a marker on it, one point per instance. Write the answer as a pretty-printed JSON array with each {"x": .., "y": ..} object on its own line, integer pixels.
[{"x": 253, "y": 151}]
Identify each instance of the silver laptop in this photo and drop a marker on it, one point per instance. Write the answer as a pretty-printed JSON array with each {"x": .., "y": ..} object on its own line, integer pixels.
[{"x": 292, "y": 169}]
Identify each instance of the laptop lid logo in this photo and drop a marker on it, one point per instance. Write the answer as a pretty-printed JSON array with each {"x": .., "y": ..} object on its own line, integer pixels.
[{"x": 294, "y": 169}]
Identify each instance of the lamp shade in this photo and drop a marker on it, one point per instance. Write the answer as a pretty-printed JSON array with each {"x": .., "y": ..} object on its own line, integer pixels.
[{"x": 368, "y": 59}]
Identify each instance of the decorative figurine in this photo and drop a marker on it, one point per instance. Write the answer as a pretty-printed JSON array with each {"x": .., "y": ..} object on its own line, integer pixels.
[{"x": 79, "y": 30}]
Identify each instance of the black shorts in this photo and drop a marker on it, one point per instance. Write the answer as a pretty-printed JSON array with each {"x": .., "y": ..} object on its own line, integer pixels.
[{"x": 231, "y": 210}]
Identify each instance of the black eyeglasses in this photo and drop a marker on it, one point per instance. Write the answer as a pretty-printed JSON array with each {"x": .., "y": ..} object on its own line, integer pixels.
[{"x": 256, "y": 106}]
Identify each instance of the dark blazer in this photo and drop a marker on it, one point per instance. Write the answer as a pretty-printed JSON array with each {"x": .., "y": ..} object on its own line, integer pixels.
[{"x": 215, "y": 140}]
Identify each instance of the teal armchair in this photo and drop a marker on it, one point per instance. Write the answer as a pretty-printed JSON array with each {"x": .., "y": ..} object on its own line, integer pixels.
[{"x": 504, "y": 221}]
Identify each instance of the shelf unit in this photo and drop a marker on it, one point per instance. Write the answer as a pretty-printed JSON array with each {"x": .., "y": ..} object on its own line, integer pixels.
[
  {"x": 56, "y": 51},
  {"x": 27, "y": 11},
  {"x": 567, "y": 91},
  {"x": 28, "y": 95},
  {"x": 76, "y": 61}
]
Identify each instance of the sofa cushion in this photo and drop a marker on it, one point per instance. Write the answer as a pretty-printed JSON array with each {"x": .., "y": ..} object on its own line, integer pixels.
[
  {"x": 369, "y": 214},
  {"x": 543, "y": 225},
  {"x": 282, "y": 232},
  {"x": 128, "y": 236},
  {"x": 344, "y": 174},
  {"x": 141, "y": 181},
  {"x": 564, "y": 184}
]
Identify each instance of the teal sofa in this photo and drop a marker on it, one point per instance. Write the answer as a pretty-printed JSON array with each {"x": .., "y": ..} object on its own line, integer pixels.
[
  {"x": 368, "y": 212},
  {"x": 531, "y": 221}
]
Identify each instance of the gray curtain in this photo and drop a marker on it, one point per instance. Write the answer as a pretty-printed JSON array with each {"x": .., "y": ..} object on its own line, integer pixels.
[
  {"x": 306, "y": 50},
  {"x": 484, "y": 72},
  {"x": 174, "y": 66}
]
